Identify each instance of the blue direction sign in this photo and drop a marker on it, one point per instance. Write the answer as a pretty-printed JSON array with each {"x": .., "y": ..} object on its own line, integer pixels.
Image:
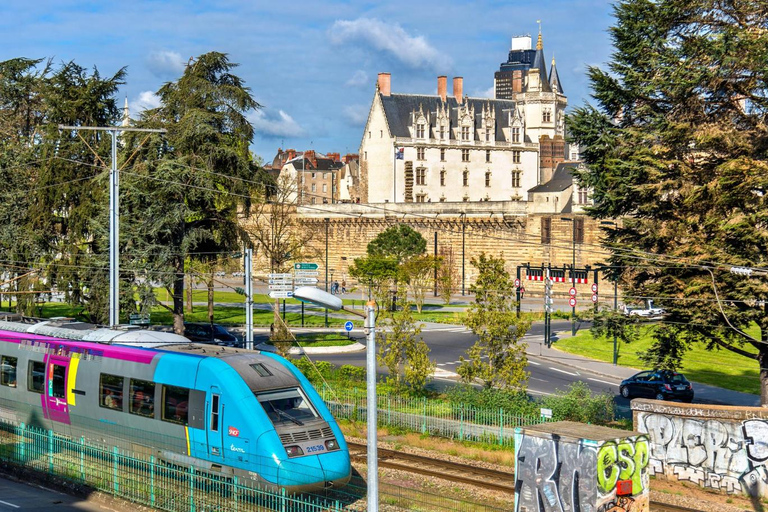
[
  {"x": 305, "y": 266},
  {"x": 348, "y": 326}
]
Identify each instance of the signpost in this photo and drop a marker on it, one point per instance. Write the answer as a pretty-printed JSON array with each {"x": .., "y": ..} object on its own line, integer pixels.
[
  {"x": 305, "y": 266},
  {"x": 305, "y": 280},
  {"x": 572, "y": 302},
  {"x": 594, "y": 287},
  {"x": 594, "y": 298},
  {"x": 572, "y": 292},
  {"x": 281, "y": 294}
]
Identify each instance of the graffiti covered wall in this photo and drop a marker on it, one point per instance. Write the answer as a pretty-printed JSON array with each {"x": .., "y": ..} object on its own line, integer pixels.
[
  {"x": 565, "y": 466},
  {"x": 717, "y": 447}
]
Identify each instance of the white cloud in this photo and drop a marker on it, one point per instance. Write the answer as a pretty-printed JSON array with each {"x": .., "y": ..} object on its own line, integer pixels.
[
  {"x": 357, "y": 114},
  {"x": 164, "y": 63},
  {"x": 271, "y": 124},
  {"x": 146, "y": 100},
  {"x": 359, "y": 79},
  {"x": 488, "y": 93},
  {"x": 413, "y": 51}
]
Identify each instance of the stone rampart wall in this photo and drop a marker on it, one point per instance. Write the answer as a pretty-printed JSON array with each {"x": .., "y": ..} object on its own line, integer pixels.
[{"x": 716, "y": 447}]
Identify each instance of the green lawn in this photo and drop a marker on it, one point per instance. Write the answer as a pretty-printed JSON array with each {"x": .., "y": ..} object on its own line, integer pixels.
[{"x": 721, "y": 368}]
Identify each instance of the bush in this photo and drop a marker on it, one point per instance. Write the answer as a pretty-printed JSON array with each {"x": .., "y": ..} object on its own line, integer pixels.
[
  {"x": 509, "y": 401},
  {"x": 352, "y": 373},
  {"x": 577, "y": 403}
]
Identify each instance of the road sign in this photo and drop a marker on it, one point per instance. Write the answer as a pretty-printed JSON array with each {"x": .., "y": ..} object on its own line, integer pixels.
[
  {"x": 348, "y": 326},
  {"x": 572, "y": 292},
  {"x": 280, "y": 276},
  {"x": 572, "y": 302},
  {"x": 281, "y": 287},
  {"x": 594, "y": 297},
  {"x": 287, "y": 294},
  {"x": 305, "y": 266},
  {"x": 280, "y": 281},
  {"x": 306, "y": 273},
  {"x": 305, "y": 280},
  {"x": 594, "y": 287},
  {"x": 517, "y": 283}
]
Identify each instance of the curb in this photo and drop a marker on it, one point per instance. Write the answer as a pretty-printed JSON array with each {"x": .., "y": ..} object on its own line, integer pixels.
[{"x": 297, "y": 351}]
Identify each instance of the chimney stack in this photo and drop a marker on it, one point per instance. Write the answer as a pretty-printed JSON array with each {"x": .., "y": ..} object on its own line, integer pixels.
[
  {"x": 458, "y": 88},
  {"x": 442, "y": 87},
  {"x": 384, "y": 83}
]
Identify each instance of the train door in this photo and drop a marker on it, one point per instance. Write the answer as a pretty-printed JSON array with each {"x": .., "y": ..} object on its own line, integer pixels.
[
  {"x": 214, "y": 426},
  {"x": 55, "y": 391}
]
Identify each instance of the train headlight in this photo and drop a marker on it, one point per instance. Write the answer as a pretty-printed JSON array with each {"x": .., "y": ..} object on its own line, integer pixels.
[
  {"x": 294, "y": 451},
  {"x": 331, "y": 444}
]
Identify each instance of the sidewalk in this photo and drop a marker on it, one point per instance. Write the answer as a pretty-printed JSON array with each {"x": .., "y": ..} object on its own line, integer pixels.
[{"x": 703, "y": 393}]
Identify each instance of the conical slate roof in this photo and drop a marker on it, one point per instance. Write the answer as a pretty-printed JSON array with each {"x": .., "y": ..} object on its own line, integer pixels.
[
  {"x": 554, "y": 79},
  {"x": 540, "y": 64}
]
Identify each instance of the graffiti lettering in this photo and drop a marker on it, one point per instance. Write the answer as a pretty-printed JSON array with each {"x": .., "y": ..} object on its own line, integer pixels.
[
  {"x": 558, "y": 476},
  {"x": 623, "y": 461},
  {"x": 712, "y": 453}
]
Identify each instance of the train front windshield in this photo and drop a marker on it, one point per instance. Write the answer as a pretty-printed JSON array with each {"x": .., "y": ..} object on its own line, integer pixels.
[{"x": 287, "y": 407}]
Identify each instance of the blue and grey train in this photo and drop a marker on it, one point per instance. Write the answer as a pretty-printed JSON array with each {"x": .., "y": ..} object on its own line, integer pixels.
[{"x": 226, "y": 411}]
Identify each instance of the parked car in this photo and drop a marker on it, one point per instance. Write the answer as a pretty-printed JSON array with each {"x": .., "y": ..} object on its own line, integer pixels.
[
  {"x": 210, "y": 333},
  {"x": 647, "y": 311},
  {"x": 658, "y": 384}
]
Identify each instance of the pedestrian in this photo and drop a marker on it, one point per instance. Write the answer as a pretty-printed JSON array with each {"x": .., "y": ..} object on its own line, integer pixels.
[
  {"x": 343, "y": 286},
  {"x": 522, "y": 293}
]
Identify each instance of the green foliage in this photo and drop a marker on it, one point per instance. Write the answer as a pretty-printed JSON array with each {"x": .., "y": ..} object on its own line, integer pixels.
[
  {"x": 186, "y": 188},
  {"x": 577, "y": 403},
  {"x": 506, "y": 399},
  {"x": 609, "y": 323},
  {"x": 403, "y": 351},
  {"x": 418, "y": 274},
  {"x": 498, "y": 357},
  {"x": 399, "y": 242},
  {"x": 352, "y": 373},
  {"x": 679, "y": 153}
]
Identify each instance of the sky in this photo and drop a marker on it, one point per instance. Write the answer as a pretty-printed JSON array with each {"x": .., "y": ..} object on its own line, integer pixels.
[{"x": 312, "y": 65}]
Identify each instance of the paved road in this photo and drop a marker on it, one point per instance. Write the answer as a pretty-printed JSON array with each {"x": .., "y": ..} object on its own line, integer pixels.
[{"x": 19, "y": 496}]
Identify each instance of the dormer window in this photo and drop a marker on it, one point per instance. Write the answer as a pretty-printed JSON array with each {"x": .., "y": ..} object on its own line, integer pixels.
[
  {"x": 442, "y": 132},
  {"x": 515, "y": 134},
  {"x": 420, "y": 131},
  {"x": 465, "y": 133}
]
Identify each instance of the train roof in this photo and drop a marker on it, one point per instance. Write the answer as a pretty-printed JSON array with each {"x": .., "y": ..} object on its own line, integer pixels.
[
  {"x": 66, "y": 328},
  {"x": 261, "y": 371}
]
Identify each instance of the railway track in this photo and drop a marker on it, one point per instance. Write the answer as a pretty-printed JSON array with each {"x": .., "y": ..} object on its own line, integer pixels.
[{"x": 501, "y": 481}]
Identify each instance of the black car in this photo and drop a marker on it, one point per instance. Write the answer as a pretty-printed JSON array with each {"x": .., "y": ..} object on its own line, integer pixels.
[
  {"x": 210, "y": 333},
  {"x": 658, "y": 384}
]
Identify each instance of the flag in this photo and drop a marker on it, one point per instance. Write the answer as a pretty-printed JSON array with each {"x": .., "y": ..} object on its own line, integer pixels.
[{"x": 399, "y": 153}]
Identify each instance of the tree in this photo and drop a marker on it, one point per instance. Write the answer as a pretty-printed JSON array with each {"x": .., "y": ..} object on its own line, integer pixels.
[
  {"x": 677, "y": 146},
  {"x": 185, "y": 192},
  {"x": 418, "y": 274},
  {"x": 447, "y": 275},
  {"x": 498, "y": 357},
  {"x": 385, "y": 253},
  {"x": 399, "y": 242},
  {"x": 276, "y": 229},
  {"x": 403, "y": 351}
]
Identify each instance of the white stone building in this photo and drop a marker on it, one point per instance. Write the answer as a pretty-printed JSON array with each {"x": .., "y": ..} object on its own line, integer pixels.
[{"x": 440, "y": 148}]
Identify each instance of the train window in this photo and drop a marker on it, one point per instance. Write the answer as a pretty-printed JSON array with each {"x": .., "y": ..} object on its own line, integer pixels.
[
  {"x": 36, "y": 376},
  {"x": 261, "y": 370},
  {"x": 175, "y": 404},
  {"x": 57, "y": 381},
  {"x": 111, "y": 391},
  {"x": 142, "y": 398},
  {"x": 287, "y": 406},
  {"x": 8, "y": 371},
  {"x": 215, "y": 413}
]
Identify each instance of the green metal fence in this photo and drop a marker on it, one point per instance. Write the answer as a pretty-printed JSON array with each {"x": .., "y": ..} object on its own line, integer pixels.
[
  {"x": 147, "y": 481},
  {"x": 428, "y": 416}
]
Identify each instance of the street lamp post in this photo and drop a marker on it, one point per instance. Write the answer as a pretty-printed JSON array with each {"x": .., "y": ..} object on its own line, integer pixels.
[{"x": 323, "y": 299}]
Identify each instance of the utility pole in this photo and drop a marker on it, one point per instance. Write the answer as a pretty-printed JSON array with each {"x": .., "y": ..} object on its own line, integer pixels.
[
  {"x": 114, "y": 213},
  {"x": 248, "y": 298}
]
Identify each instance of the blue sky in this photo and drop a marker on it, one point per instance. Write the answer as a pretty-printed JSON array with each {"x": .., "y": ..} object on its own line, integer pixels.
[{"x": 312, "y": 65}]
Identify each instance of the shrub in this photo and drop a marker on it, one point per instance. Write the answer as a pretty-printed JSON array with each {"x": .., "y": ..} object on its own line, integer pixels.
[{"x": 577, "y": 403}]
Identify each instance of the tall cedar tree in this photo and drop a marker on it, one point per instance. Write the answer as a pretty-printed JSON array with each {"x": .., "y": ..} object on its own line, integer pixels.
[
  {"x": 186, "y": 188},
  {"x": 498, "y": 357},
  {"x": 54, "y": 206},
  {"x": 677, "y": 147}
]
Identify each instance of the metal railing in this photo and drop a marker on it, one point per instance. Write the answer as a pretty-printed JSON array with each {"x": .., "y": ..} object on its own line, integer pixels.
[{"x": 429, "y": 416}]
